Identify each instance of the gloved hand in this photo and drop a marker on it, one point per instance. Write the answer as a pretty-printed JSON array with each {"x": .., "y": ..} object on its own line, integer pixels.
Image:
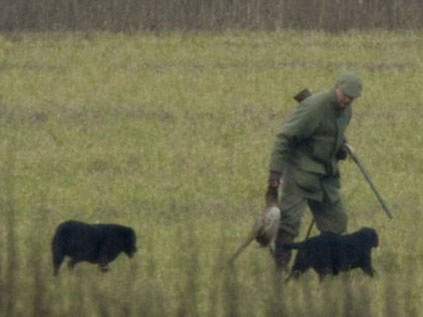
[
  {"x": 342, "y": 153},
  {"x": 272, "y": 188}
]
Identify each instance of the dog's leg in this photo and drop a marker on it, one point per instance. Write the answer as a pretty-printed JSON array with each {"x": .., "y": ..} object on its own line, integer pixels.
[
  {"x": 57, "y": 262},
  {"x": 325, "y": 272},
  {"x": 369, "y": 271},
  {"x": 366, "y": 265},
  {"x": 299, "y": 267},
  {"x": 295, "y": 274},
  {"x": 58, "y": 253},
  {"x": 71, "y": 264},
  {"x": 103, "y": 267}
]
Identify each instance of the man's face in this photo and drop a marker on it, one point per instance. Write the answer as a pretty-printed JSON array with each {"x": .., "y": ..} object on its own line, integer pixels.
[{"x": 343, "y": 99}]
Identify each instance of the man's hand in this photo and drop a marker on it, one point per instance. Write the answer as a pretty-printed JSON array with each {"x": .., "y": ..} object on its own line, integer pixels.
[
  {"x": 272, "y": 188},
  {"x": 274, "y": 179},
  {"x": 343, "y": 152}
]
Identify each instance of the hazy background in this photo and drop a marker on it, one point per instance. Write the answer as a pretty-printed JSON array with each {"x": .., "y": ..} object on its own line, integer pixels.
[{"x": 209, "y": 15}]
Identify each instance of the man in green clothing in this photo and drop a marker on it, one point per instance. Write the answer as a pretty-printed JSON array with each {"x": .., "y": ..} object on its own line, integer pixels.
[{"x": 304, "y": 162}]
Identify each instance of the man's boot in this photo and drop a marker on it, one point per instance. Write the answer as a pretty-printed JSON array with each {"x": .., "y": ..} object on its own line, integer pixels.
[{"x": 281, "y": 255}]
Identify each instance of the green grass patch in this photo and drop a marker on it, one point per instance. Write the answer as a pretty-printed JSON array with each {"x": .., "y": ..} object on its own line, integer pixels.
[{"x": 171, "y": 134}]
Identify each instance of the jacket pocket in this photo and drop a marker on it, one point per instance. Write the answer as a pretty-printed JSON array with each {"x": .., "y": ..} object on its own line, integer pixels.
[
  {"x": 307, "y": 164},
  {"x": 309, "y": 182}
]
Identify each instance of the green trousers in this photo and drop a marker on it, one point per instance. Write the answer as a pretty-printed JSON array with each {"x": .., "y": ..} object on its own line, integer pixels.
[{"x": 329, "y": 216}]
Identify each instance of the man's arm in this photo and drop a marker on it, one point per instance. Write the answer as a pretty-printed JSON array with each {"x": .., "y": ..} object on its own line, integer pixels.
[
  {"x": 271, "y": 196},
  {"x": 299, "y": 128}
]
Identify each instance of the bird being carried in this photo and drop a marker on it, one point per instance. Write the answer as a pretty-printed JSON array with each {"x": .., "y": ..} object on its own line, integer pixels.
[{"x": 264, "y": 230}]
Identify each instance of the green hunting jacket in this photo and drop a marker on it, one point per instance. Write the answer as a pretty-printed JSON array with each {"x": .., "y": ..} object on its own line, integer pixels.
[{"x": 305, "y": 150}]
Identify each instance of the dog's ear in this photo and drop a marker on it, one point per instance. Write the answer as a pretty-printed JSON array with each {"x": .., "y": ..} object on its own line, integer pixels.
[
  {"x": 375, "y": 239},
  {"x": 371, "y": 238}
]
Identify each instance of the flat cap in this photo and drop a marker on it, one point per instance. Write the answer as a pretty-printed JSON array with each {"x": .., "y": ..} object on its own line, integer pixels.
[{"x": 350, "y": 84}]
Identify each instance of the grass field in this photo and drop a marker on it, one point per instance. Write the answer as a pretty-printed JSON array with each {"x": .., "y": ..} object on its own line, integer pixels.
[{"x": 171, "y": 134}]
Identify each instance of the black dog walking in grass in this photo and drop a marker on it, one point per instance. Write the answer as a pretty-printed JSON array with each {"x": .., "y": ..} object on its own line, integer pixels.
[
  {"x": 329, "y": 253},
  {"x": 94, "y": 243}
]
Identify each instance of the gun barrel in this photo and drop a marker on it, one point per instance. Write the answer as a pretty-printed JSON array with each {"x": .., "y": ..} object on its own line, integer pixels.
[{"x": 369, "y": 181}]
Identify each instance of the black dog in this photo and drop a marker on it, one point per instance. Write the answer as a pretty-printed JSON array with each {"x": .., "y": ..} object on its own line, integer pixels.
[
  {"x": 331, "y": 253},
  {"x": 97, "y": 243}
]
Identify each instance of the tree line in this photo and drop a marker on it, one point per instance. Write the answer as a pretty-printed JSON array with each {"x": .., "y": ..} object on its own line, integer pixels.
[{"x": 208, "y": 15}]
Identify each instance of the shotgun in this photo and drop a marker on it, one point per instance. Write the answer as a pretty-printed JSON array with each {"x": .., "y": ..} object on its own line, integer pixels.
[{"x": 363, "y": 171}]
